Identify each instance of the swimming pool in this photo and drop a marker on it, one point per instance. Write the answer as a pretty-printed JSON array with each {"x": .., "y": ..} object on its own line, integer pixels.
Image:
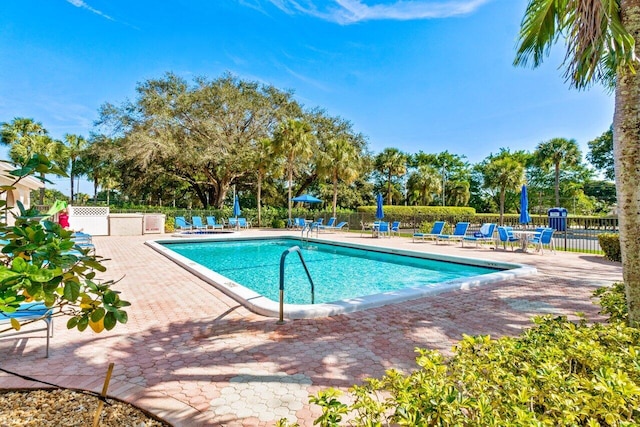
[{"x": 346, "y": 277}]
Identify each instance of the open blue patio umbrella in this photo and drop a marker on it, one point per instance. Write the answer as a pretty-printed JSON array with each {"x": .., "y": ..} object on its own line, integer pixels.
[
  {"x": 379, "y": 211},
  {"x": 525, "y": 218},
  {"x": 306, "y": 198}
]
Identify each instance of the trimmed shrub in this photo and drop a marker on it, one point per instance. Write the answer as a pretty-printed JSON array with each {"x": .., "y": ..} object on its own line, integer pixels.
[
  {"x": 610, "y": 244},
  {"x": 169, "y": 224},
  {"x": 277, "y": 223}
]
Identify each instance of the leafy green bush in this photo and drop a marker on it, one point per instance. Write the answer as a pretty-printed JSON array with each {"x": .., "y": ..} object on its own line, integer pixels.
[
  {"x": 169, "y": 224},
  {"x": 613, "y": 301},
  {"x": 277, "y": 223},
  {"x": 556, "y": 373},
  {"x": 40, "y": 262},
  {"x": 610, "y": 244}
]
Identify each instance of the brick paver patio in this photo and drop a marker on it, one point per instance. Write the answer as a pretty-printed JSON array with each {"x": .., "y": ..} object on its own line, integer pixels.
[{"x": 195, "y": 357}]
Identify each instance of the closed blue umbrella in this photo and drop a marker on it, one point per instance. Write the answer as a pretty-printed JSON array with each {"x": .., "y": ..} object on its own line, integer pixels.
[
  {"x": 525, "y": 218},
  {"x": 379, "y": 211},
  {"x": 236, "y": 207}
]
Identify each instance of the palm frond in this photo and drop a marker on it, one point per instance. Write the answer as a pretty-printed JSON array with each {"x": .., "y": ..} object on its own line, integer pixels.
[{"x": 539, "y": 31}]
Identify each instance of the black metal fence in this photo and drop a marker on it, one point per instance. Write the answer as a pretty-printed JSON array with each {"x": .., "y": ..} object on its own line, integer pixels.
[{"x": 577, "y": 234}]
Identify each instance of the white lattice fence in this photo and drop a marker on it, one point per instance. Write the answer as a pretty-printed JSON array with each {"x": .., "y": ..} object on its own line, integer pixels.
[{"x": 90, "y": 219}]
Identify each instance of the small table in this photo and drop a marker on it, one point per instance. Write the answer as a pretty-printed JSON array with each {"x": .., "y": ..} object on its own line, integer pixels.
[{"x": 524, "y": 237}]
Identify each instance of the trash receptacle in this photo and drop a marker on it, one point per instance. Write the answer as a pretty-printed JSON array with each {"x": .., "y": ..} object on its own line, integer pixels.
[{"x": 557, "y": 218}]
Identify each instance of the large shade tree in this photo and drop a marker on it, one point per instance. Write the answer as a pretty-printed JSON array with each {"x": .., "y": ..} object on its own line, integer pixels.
[
  {"x": 202, "y": 134},
  {"x": 602, "y": 40}
]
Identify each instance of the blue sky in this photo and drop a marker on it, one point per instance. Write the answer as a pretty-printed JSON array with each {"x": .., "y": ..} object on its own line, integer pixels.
[{"x": 428, "y": 75}]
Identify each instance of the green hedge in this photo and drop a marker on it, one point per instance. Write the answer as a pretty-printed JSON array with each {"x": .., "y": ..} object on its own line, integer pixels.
[{"x": 610, "y": 244}]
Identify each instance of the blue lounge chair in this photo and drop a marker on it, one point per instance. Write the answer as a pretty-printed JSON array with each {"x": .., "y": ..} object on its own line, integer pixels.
[
  {"x": 182, "y": 224},
  {"x": 83, "y": 240},
  {"x": 395, "y": 228},
  {"x": 436, "y": 231},
  {"x": 485, "y": 235},
  {"x": 211, "y": 223},
  {"x": 343, "y": 225},
  {"x": 329, "y": 225},
  {"x": 196, "y": 221},
  {"x": 505, "y": 237},
  {"x": 28, "y": 313},
  {"x": 233, "y": 223},
  {"x": 243, "y": 223},
  {"x": 545, "y": 238},
  {"x": 458, "y": 233}
]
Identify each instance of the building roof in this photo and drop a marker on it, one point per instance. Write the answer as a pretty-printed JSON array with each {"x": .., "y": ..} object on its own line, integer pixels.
[{"x": 6, "y": 179}]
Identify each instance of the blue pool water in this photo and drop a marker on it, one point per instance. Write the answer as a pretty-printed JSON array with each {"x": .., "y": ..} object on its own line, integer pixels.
[{"x": 338, "y": 272}]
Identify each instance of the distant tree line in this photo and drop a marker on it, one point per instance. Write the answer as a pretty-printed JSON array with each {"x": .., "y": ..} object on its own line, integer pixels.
[{"x": 189, "y": 144}]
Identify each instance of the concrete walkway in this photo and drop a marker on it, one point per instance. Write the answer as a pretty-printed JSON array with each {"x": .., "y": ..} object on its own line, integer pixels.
[{"x": 195, "y": 357}]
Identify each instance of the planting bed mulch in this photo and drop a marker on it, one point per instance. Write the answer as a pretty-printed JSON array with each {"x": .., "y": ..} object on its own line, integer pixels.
[{"x": 59, "y": 407}]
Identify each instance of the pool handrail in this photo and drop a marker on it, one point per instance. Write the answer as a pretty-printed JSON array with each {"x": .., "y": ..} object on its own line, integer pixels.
[{"x": 282, "y": 259}]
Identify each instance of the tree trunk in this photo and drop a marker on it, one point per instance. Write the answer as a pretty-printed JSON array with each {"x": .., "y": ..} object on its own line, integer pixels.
[
  {"x": 557, "y": 185},
  {"x": 389, "y": 188},
  {"x": 290, "y": 183},
  {"x": 626, "y": 148},
  {"x": 41, "y": 201},
  {"x": 71, "y": 177},
  {"x": 259, "y": 200},
  {"x": 335, "y": 195},
  {"x": 502, "y": 194}
]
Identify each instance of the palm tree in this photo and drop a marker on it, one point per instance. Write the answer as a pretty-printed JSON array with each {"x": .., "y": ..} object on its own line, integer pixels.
[
  {"x": 502, "y": 174},
  {"x": 423, "y": 184},
  {"x": 338, "y": 162},
  {"x": 602, "y": 38},
  {"x": 28, "y": 138},
  {"x": 76, "y": 147},
  {"x": 391, "y": 162},
  {"x": 556, "y": 152},
  {"x": 264, "y": 163},
  {"x": 458, "y": 193},
  {"x": 293, "y": 140}
]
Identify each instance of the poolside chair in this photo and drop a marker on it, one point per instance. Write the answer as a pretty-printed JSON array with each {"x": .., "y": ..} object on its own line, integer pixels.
[
  {"x": 436, "y": 231},
  {"x": 197, "y": 223},
  {"x": 182, "y": 224},
  {"x": 395, "y": 228},
  {"x": 28, "y": 313},
  {"x": 342, "y": 225},
  {"x": 382, "y": 229},
  {"x": 243, "y": 223},
  {"x": 366, "y": 227},
  {"x": 211, "y": 223},
  {"x": 545, "y": 238},
  {"x": 83, "y": 240},
  {"x": 233, "y": 223},
  {"x": 505, "y": 237},
  {"x": 458, "y": 233},
  {"x": 330, "y": 224},
  {"x": 485, "y": 235}
]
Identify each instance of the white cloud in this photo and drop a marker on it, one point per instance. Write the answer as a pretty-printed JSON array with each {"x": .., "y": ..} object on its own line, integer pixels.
[
  {"x": 82, "y": 4},
  {"x": 346, "y": 12}
]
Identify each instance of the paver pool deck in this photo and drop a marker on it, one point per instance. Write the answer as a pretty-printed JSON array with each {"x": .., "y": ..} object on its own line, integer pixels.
[{"x": 195, "y": 357}]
